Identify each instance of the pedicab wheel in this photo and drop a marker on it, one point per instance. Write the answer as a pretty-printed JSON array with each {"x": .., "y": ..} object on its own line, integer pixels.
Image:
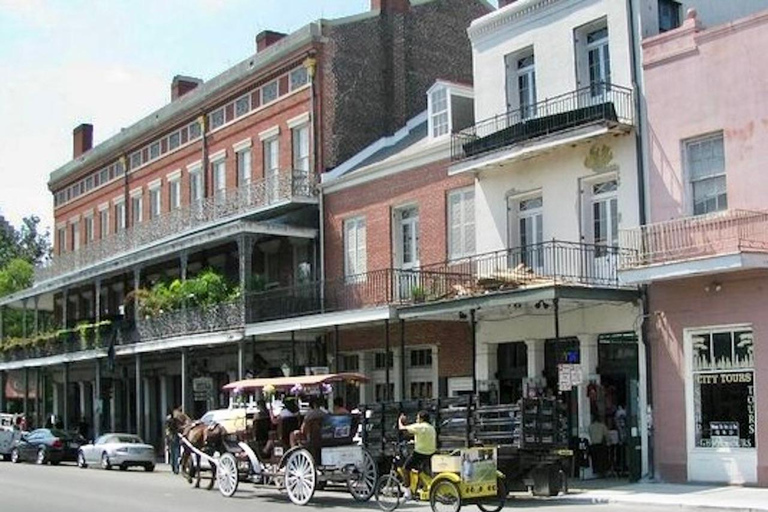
[
  {"x": 300, "y": 477},
  {"x": 363, "y": 486},
  {"x": 389, "y": 492},
  {"x": 445, "y": 497},
  {"x": 497, "y": 502},
  {"x": 225, "y": 474}
]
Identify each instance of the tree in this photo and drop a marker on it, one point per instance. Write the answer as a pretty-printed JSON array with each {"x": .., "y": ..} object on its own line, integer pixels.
[
  {"x": 28, "y": 243},
  {"x": 15, "y": 276}
]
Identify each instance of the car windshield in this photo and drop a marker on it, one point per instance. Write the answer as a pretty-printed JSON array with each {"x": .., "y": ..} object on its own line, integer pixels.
[{"x": 127, "y": 439}]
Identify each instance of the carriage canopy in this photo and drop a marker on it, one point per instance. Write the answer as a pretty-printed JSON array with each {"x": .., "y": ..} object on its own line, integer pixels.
[{"x": 286, "y": 383}]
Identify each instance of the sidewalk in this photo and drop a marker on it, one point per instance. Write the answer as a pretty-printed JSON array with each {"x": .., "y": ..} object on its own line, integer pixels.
[{"x": 672, "y": 495}]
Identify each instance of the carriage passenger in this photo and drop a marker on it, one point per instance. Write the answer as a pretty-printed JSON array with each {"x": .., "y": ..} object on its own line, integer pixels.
[{"x": 338, "y": 406}]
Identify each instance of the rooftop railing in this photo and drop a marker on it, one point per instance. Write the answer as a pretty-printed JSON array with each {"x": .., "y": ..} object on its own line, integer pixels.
[
  {"x": 599, "y": 102},
  {"x": 231, "y": 203},
  {"x": 701, "y": 236}
]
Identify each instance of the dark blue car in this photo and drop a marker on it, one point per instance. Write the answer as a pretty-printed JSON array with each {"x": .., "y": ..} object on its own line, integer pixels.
[{"x": 45, "y": 445}]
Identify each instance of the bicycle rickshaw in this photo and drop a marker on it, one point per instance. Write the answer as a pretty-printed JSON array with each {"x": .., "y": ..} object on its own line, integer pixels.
[{"x": 263, "y": 456}]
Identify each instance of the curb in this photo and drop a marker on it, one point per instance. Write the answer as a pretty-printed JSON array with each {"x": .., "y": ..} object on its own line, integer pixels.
[{"x": 605, "y": 500}]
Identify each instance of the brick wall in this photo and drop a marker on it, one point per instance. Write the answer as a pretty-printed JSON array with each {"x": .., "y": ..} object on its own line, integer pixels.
[
  {"x": 425, "y": 187},
  {"x": 378, "y": 70},
  {"x": 451, "y": 338}
]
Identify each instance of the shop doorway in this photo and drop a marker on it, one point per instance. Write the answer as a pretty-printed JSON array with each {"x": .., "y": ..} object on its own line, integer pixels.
[{"x": 512, "y": 370}]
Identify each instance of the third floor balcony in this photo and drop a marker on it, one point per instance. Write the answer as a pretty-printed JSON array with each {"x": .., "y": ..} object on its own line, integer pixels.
[
  {"x": 259, "y": 199},
  {"x": 707, "y": 244},
  {"x": 561, "y": 120}
]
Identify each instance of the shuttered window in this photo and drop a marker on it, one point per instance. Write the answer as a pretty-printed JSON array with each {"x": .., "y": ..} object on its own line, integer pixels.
[{"x": 461, "y": 223}]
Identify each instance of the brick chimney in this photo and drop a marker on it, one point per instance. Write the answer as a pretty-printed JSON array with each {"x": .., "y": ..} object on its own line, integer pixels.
[
  {"x": 399, "y": 6},
  {"x": 82, "y": 139},
  {"x": 181, "y": 85},
  {"x": 267, "y": 38},
  {"x": 504, "y": 3}
]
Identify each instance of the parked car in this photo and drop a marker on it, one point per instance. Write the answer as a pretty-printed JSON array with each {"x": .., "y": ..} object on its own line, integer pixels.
[
  {"x": 117, "y": 450},
  {"x": 46, "y": 445},
  {"x": 9, "y": 433}
]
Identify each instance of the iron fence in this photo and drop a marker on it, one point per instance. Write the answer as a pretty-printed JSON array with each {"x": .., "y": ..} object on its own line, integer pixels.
[
  {"x": 695, "y": 237},
  {"x": 599, "y": 102},
  {"x": 226, "y": 204},
  {"x": 218, "y": 317}
]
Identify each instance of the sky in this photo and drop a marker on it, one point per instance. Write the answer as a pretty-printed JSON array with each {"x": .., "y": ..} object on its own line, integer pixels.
[{"x": 110, "y": 63}]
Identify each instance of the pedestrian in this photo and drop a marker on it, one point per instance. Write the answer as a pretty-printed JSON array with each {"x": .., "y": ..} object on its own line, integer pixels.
[{"x": 172, "y": 427}]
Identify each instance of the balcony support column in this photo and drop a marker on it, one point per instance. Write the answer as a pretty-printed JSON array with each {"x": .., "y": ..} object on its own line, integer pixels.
[
  {"x": 473, "y": 337},
  {"x": 183, "y": 263},
  {"x": 2, "y": 390},
  {"x": 2, "y": 335},
  {"x": 184, "y": 386},
  {"x": 24, "y": 318},
  {"x": 387, "y": 398},
  {"x": 26, "y": 392},
  {"x": 64, "y": 308},
  {"x": 65, "y": 402},
  {"x": 139, "y": 397},
  {"x": 36, "y": 324},
  {"x": 402, "y": 359},
  {"x": 336, "y": 356},
  {"x": 97, "y": 399},
  {"x": 97, "y": 300},
  {"x": 245, "y": 257},
  {"x": 136, "y": 287},
  {"x": 241, "y": 359},
  {"x": 293, "y": 352}
]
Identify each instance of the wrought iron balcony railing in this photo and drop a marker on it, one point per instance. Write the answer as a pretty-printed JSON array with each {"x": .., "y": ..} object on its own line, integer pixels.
[
  {"x": 230, "y": 204},
  {"x": 690, "y": 238},
  {"x": 220, "y": 317},
  {"x": 600, "y": 102}
]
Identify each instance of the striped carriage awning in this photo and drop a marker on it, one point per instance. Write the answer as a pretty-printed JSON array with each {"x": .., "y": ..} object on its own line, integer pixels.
[{"x": 289, "y": 382}]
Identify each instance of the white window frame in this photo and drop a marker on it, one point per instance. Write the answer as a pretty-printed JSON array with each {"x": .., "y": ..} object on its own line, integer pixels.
[
  {"x": 155, "y": 201},
  {"x": 196, "y": 186},
  {"x": 611, "y": 200},
  {"x": 244, "y": 163},
  {"x": 61, "y": 234},
  {"x": 104, "y": 222},
  {"x": 300, "y": 147},
  {"x": 174, "y": 193},
  {"x": 689, "y": 179},
  {"x": 439, "y": 115},
  {"x": 355, "y": 247},
  {"x": 89, "y": 228},
  {"x": 137, "y": 209},
  {"x": 75, "y": 229},
  {"x": 219, "y": 179},
  {"x": 526, "y": 99},
  {"x": 271, "y": 147},
  {"x": 121, "y": 215},
  {"x": 601, "y": 48},
  {"x": 465, "y": 226}
]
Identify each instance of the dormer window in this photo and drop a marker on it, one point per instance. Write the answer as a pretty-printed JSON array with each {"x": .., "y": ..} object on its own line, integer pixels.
[{"x": 438, "y": 113}]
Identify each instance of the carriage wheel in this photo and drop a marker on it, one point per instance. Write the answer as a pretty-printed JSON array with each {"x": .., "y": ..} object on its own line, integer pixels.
[
  {"x": 225, "y": 474},
  {"x": 445, "y": 497},
  {"x": 363, "y": 485},
  {"x": 300, "y": 477},
  {"x": 497, "y": 502}
]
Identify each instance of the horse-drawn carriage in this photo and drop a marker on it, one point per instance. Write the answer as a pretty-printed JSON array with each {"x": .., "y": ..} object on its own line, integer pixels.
[{"x": 265, "y": 449}]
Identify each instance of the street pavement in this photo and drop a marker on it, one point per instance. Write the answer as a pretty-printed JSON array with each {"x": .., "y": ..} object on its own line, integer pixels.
[{"x": 67, "y": 488}]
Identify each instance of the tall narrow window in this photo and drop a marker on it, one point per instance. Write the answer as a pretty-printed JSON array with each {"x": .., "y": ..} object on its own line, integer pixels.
[
  {"x": 461, "y": 223},
  {"x": 243, "y": 167},
  {"x": 599, "y": 61},
  {"x": 220, "y": 180},
  {"x": 137, "y": 215},
  {"x": 75, "y": 235},
  {"x": 301, "y": 148},
  {"x": 669, "y": 15},
  {"x": 526, "y": 86},
  {"x": 155, "y": 203},
  {"x": 89, "y": 234},
  {"x": 355, "y": 257},
  {"x": 605, "y": 215},
  {"x": 272, "y": 168},
  {"x": 120, "y": 217},
  {"x": 104, "y": 223},
  {"x": 174, "y": 194},
  {"x": 706, "y": 171},
  {"x": 438, "y": 112},
  {"x": 195, "y": 185},
  {"x": 61, "y": 237},
  {"x": 530, "y": 218}
]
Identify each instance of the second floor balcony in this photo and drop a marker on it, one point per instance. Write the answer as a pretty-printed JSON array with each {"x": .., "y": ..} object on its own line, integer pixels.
[
  {"x": 707, "y": 244},
  {"x": 265, "y": 196},
  {"x": 602, "y": 105}
]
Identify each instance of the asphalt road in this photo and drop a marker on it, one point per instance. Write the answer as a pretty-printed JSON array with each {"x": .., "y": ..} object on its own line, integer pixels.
[{"x": 66, "y": 488}]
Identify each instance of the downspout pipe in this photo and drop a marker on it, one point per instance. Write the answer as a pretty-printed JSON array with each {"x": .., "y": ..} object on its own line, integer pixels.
[{"x": 642, "y": 174}]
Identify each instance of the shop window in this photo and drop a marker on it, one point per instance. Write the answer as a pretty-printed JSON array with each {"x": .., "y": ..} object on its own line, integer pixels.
[{"x": 722, "y": 363}]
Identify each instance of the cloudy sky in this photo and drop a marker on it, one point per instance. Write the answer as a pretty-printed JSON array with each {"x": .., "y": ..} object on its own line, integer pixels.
[{"x": 110, "y": 63}]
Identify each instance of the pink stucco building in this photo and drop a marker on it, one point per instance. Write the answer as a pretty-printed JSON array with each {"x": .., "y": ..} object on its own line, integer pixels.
[{"x": 705, "y": 254}]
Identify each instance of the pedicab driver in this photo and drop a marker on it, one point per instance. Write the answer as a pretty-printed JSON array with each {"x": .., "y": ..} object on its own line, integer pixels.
[{"x": 425, "y": 445}]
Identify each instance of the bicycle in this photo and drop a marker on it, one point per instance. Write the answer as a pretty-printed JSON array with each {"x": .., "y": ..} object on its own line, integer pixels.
[{"x": 446, "y": 491}]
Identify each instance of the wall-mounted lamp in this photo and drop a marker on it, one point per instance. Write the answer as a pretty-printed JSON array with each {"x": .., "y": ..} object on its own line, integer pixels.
[{"x": 714, "y": 286}]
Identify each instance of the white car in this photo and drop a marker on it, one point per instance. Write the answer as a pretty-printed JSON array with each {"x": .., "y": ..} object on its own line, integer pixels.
[
  {"x": 117, "y": 450},
  {"x": 9, "y": 434}
]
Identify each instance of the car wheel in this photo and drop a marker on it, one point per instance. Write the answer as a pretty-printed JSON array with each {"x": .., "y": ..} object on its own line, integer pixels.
[
  {"x": 123, "y": 467},
  {"x": 6, "y": 457},
  {"x": 149, "y": 468},
  {"x": 105, "y": 464},
  {"x": 81, "y": 460},
  {"x": 41, "y": 456},
  {"x": 15, "y": 456}
]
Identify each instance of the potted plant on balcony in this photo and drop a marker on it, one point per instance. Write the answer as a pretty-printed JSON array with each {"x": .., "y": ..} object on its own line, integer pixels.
[{"x": 418, "y": 294}]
